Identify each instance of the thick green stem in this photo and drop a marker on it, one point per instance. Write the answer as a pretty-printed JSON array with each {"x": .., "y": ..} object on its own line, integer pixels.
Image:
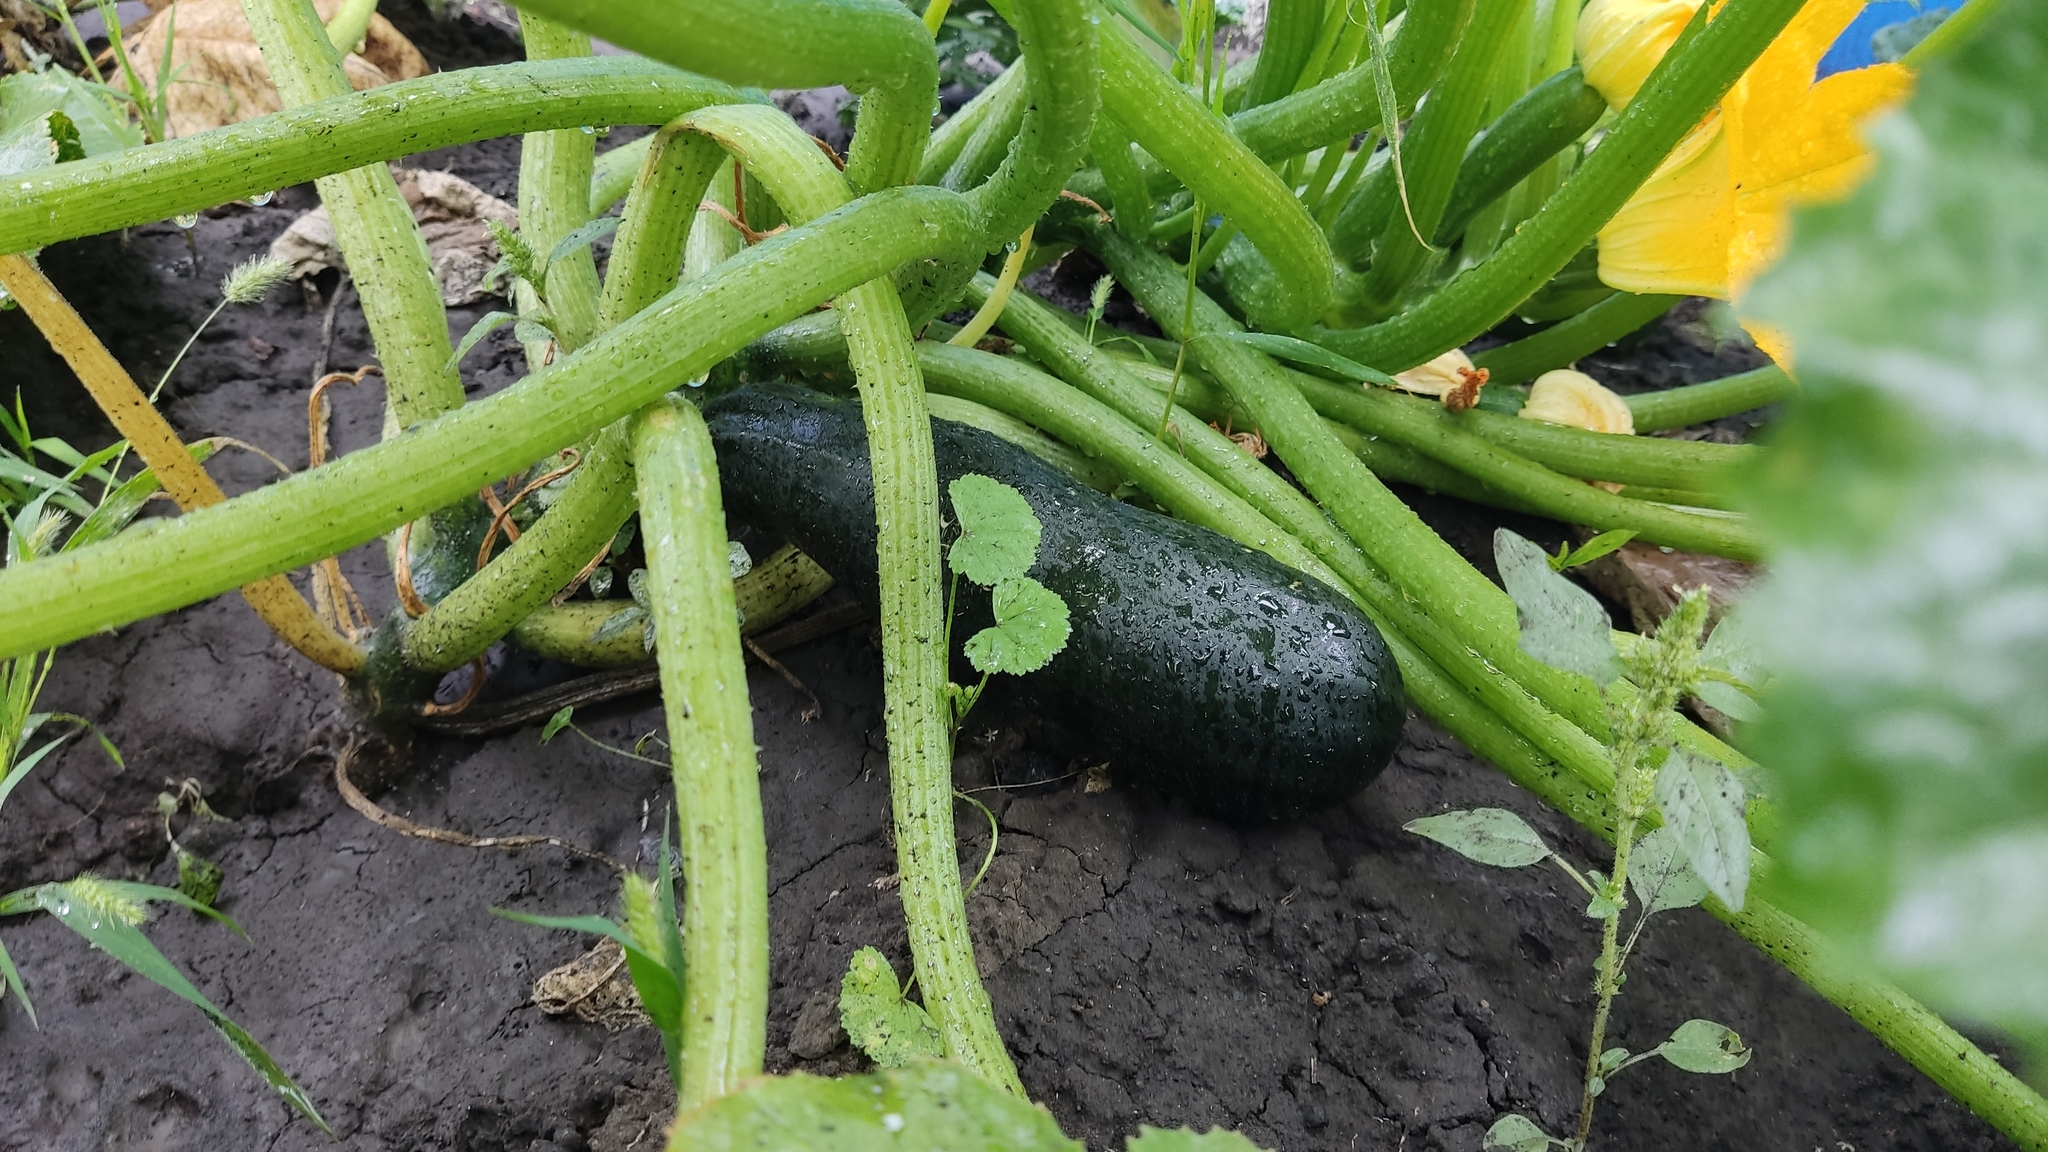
[
  {"x": 555, "y": 169},
  {"x": 950, "y": 138},
  {"x": 875, "y": 47},
  {"x": 540, "y": 563},
  {"x": 1349, "y": 103},
  {"x": 166, "y": 564},
  {"x": 1167, "y": 120},
  {"x": 1533, "y": 130},
  {"x": 1560, "y": 344},
  {"x": 1432, "y": 153},
  {"x": 647, "y": 250},
  {"x": 1698, "y": 403},
  {"x": 1446, "y": 437},
  {"x": 1400, "y": 544},
  {"x": 711, "y": 737},
  {"x": 335, "y": 134},
  {"x": 913, "y": 616},
  {"x": 1688, "y": 83},
  {"x": 372, "y": 223}
]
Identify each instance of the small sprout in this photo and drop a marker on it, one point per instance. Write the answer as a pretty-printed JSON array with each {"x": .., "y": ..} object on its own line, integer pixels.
[
  {"x": 642, "y": 913},
  {"x": 1577, "y": 400},
  {"x": 557, "y": 722},
  {"x": 1591, "y": 550},
  {"x": 252, "y": 280}
]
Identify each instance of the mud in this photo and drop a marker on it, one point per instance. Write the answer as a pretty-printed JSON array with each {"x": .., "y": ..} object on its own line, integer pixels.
[{"x": 1330, "y": 983}]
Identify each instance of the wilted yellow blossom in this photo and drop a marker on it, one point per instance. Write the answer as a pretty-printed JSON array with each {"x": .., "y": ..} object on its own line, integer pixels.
[
  {"x": 1444, "y": 374},
  {"x": 1619, "y": 42},
  {"x": 1576, "y": 399}
]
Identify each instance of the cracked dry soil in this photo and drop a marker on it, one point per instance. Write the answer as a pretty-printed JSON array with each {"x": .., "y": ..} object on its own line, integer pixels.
[{"x": 1330, "y": 983}]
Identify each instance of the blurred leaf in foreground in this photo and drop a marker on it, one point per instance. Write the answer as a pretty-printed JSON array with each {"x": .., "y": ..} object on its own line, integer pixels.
[{"x": 1907, "y": 612}]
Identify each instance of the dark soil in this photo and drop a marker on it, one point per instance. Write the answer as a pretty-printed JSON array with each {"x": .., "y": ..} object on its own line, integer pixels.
[{"x": 1327, "y": 983}]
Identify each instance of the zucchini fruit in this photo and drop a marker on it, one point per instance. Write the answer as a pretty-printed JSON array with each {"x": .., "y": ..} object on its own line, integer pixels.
[{"x": 1209, "y": 671}]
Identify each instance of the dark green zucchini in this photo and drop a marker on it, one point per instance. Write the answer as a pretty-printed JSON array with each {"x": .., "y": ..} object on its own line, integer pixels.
[{"x": 1208, "y": 670}]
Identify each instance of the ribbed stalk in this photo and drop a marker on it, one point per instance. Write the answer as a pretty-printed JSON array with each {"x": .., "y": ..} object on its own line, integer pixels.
[
  {"x": 554, "y": 200},
  {"x": 372, "y": 224},
  {"x": 163, "y": 565},
  {"x": 711, "y": 740},
  {"x": 191, "y": 173}
]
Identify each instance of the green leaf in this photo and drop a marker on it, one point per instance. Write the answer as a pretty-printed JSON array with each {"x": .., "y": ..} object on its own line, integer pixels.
[
  {"x": 1702, "y": 802},
  {"x": 1902, "y": 499},
  {"x": 1302, "y": 352},
  {"x": 1150, "y": 1139},
  {"x": 486, "y": 324},
  {"x": 1659, "y": 875},
  {"x": 119, "y": 508},
  {"x": 1612, "y": 1059},
  {"x": 560, "y": 720},
  {"x": 73, "y": 906},
  {"x": 1493, "y": 836},
  {"x": 532, "y": 330},
  {"x": 1562, "y": 624},
  {"x": 91, "y": 116},
  {"x": 880, "y": 1022},
  {"x": 1031, "y": 628},
  {"x": 1705, "y": 1047},
  {"x": 1729, "y": 699},
  {"x": 1593, "y": 549},
  {"x": 1732, "y": 648},
  {"x": 998, "y": 531},
  {"x": 929, "y": 1105},
  {"x": 1514, "y": 1133},
  {"x": 13, "y": 978}
]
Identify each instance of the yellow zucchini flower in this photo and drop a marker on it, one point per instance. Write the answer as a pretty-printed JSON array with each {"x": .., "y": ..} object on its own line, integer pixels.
[
  {"x": 1620, "y": 41},
  {"x": 1717, "y": 212}
]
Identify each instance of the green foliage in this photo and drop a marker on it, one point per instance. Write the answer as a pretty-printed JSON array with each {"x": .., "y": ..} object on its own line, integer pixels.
[
  {"x": 1492, "y": 836},
  {"x": 1563, "y": 625},
  {"x": 1705, "y": 1047},
  {"x": 59, "y": 109},
  {"x": 199, "y": 878},
  {"x": 998, "y": 542},
  {"x": 1031, "y": 628},
  {"x": 1515, "y": 1133},
  {"x": 928, "y": 1105},
  {"x": 1659, "y": 875},
  {"x": 1702, "y": 802},
  {"x": 998, "y": 531},
  {"x": 109, "y": 914},
  {"x": 1904, "y": 497},
  {"x": 892, "y": 1031}
]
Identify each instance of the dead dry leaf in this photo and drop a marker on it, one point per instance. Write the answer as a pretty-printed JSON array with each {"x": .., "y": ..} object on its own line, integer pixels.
[
  {"x": 220, "y": 77},
  {"x": 451, "y": 213}
]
